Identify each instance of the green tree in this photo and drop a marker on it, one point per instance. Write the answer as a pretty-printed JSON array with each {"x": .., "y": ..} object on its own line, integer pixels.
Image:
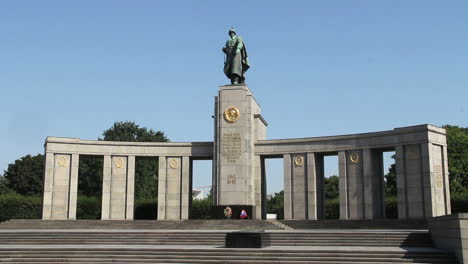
[
  {"x": 3, "y": 186},
  {"x": 24, "y": 176},
  {"x": 146, "y": 178},
  {"x": 457, "y": 148},
  {"x": 146, "y": 172},
  {"x": 131, "y": 132},
  {"x": 90, "y": 176},
  {"x": 331, "y": 187},
  {"x": 390, "y": 180},
  {"x": 276, "y": 205}
]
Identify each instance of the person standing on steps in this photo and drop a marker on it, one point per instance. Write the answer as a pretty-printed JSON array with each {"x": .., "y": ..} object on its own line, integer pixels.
[
  {"x": 227, "y": 212},
  {"x": 243, "y": 215}
]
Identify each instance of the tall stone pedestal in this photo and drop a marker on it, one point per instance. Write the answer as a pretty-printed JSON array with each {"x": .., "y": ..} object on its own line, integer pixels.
[{"x": 238, "y": 124}]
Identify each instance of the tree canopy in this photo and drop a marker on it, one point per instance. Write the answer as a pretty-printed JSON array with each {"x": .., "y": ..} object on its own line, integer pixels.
[
  {"x": 131, "y": 132},
  {"x": 457, "y": 149},
  {"x": 331, "y": 187},
  {"x": 276, "y": 205},
  {"x": 24, "y": 176},
  {"x": 390, "y": 180},
  {"x": 146, "y": 170}
]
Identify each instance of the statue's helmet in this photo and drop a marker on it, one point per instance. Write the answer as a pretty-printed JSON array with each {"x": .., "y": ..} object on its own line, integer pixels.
[{"x": 232, "y": 30}]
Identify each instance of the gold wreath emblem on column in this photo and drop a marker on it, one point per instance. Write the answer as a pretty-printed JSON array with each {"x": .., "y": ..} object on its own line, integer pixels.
[
  {"x": 354, "y": 157},
  {"x": 173, "y": 164},
  {"x": 299, "y": 161},
  {"x": 62, "y": 162},
  {"x": 231, "y": 114},
  {"x": 412, "y": 154},
  {"x": 118, "y": 163}
]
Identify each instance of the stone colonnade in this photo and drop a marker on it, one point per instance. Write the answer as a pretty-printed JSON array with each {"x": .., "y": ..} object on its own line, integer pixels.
[
  {"x": 421, "y": 163},
  {"x": 61, "y": 176}
]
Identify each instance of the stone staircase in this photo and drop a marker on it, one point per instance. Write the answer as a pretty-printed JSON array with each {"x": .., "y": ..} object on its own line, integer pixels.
[
  {"x": 234, "y": 224},
  {"x": 218, "y": 255},
  {"x": 35, "y": 241}
]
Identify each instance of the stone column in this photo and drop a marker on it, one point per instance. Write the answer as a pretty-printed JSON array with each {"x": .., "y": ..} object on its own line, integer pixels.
[
  {"x": 118, "y": 186},
  {"x": 373, "y": 184},
  {"x": 162, "y": 185},
  {"x": 185, "y": 188},
  {"x": 351, "y": 184},
  {"x": 317, "y": 167},
  {"x": 435, "y": 180},
  {"x": 215, "y": 163},
  {"x": 401, "y": 182},
  {"x": 48, "y": 186},
  {"x": 288, "y": 201},
  {"x": 259, "y": 186},
  {"x": 428, "y": 179},
  {"x": 448, "y": 209},
  {"x": 343, "y": 185},
  {"x": 174, "y": 188},
  {"x": 173, "y": 185},
  {"x": 355, "y": 180},
  {"x": 117, "y": 192},
  {"x": 130, "y": 188},
  {"x": 73, "y": 186},
  {"x": 314, "y": 186},
  {"x": 106, "y": 188},
  {"x": 302, "y": 196},
  {"x": 410, "y": 183},
  {"x": 60, "y": 187},
  {"x": 299, "y": 186}
]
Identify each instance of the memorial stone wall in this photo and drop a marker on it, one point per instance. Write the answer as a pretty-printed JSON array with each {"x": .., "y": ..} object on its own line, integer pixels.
[{"x": 239, "y": 151}]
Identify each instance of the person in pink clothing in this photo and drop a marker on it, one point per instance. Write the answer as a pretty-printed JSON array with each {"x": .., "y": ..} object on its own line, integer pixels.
[{"x": 243, "y": 215}]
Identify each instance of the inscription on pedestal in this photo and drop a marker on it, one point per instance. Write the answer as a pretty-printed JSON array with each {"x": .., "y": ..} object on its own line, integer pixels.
[
  {"x": 231, "y": 179},
  {"x": 438, "y": 176},
  {"x": 231, "y": 146}
]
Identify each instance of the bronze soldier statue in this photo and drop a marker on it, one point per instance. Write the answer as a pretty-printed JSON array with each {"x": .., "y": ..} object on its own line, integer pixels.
[{"x": 236, "y": 62}]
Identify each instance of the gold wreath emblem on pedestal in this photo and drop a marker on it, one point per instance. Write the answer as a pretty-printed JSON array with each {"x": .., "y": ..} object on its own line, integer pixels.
[
  {"x": 62, "y": 162},
  {"x": 231, "y": 114},
  {"x": 299, "y": 161},
  {"x": 173, "y": 164},
  {"x": 118, "y": 163},
  {"x": 354, "y": 157}
]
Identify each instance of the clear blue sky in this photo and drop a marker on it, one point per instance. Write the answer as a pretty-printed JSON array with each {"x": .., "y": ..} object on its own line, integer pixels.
[{"x": 73, "y": 68}]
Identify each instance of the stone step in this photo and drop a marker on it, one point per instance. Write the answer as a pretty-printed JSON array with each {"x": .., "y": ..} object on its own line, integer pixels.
[
  {"x": 220, "y": 255},
  {"x": 141, "y": 224},
  {"x": 216, "y": 241},
  {"x": 283, "y": 238},
  {"x": 227, "y": 261},
  {"x": 357, "y": 224},
  {"x": 224, "y": 259}
]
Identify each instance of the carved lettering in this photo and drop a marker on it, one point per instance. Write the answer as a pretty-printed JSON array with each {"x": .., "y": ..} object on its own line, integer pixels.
[
  {"x": 231, "y": 146},
  {"x": 231, "y": 179},
  {"x": 438, "y": 179}
]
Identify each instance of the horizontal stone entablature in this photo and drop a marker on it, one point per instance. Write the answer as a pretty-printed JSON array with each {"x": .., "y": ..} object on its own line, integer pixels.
[
  {"x": 96, "y": 147},
  {"x": 377, "y": 140}
]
